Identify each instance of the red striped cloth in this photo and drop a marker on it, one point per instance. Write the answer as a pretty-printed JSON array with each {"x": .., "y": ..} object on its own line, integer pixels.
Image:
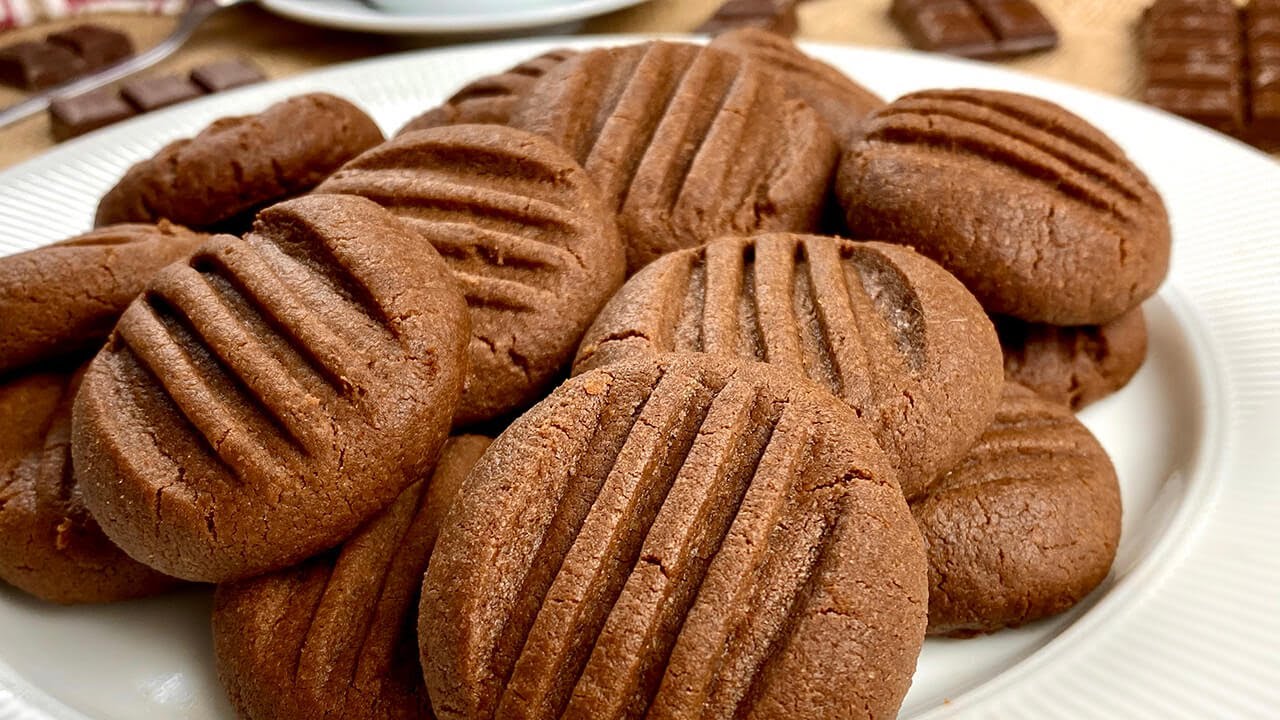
[{"x": 16, "y": 13}]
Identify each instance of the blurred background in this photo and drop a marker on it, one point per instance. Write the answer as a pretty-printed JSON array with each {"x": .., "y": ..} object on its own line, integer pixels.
[{"x": 1096, "y": 50}]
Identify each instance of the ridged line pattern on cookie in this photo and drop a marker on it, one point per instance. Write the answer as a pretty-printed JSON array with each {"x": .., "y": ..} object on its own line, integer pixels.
[
  {"x": 358, "y": 616},
  {"x": 1037, "y": 440},
  {"x": 889, "y": 332},
  {"x": 1025, "y": 525},
  {"x": 719, "y": 299},
  {"x": 230, "y": 298},
  {"x": 503, "y": 261},
  {"x": 255, "y": 369},
  {"x": 62, "y": 300},
  {"x": 337, "y": 635},
  {"x": 1027, "y": 137},
  {"x": 688, "y": 541},
  {"x": 491, "y": 98},
  {"x": 1031, "y": 207},
  {"x": 686, "y": 143},
  {"x": 524, "y": 232},
  {"x": 514, "y": 80},
  {"x": 841, "y": 101}
]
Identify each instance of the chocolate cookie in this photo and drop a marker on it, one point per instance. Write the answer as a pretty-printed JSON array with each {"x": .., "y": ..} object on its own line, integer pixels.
[
  {"x": 1035, "y": 210},
  {"x": 894, "y": 335},
  {"x": 489, "y": 100},
  {"x": 840, "y": 101},
  {"x": 261, "y": 401},
  {"x": 1025, "y": 526},
  {"x": 64, "y": 298},
  {"x": 687, "y": 143},
  {"x": 687, "y": 537},
  {"x": 525, "y": 232},
  {"x": 50, "y": 546},
  {"x": 336, "y": 637},
  {"x": 1074, "y": 365},
  {"x": 239, "y": 164}
]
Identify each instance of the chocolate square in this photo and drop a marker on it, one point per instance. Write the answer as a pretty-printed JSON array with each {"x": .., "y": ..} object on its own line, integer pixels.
[
  {"x": 1217, "y": 64},
  {"x": 153, "y": 93},
  {"x": 96, "y": 45},
  {"x": 975, "y": 28},
  {"x": 952, "y": 26},
  {"x": 1019, "y": 25},
  {"x": 69, "y": 117},
  {"x": 776, "y": 16},
  {"x": 38, "y": 65},
  {"x": 226, "y": 74}
]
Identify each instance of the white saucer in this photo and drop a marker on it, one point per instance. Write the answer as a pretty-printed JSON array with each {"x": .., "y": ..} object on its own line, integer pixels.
[
  {"x": 444, "y": 17},
  {"x": 1186, "y": 626}
]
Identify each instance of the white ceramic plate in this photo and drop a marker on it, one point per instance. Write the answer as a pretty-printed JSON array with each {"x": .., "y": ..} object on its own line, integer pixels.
[
  {"x": 1188, "y": 624},
  {"x": 440, "y": 17}
]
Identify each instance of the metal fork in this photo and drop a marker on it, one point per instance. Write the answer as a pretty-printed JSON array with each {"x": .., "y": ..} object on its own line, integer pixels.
[{"x": 197, "y": 12}]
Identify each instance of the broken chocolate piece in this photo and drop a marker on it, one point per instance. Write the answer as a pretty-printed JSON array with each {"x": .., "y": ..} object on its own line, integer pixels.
[
  {"x": 975, "y": 28},
  {"x": 776, "y": 16},
  {"x": 1216, "y": 64},
  {"x": 147, "y": 94},
  {"x": 226, "y": 74},
  {"x": 96, "y": 45},
  {"x": 1262, "y": 37},
  {"x": 74, "y": 116},
  {"x": 38, "y": 65}
]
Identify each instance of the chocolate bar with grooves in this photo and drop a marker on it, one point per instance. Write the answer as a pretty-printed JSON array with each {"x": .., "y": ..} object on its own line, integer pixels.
[
  {"x": 975, "y": 28},
  {"x": 1216, "y": 64},
  {"x": 775, "y": 16}
]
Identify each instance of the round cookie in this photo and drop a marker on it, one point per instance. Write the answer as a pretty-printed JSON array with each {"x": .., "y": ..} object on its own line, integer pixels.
[
  {"x": 240, "y": 164},
  {"x": 885, "y": 329},
  {"x": 677, "y": 538},
  {"x": 50, "y": 546},
  {"x": 336, "y": 637},
  {"x": 840, "y": 101},
  {"x": 1074, "y": 365},
  {"x": 1025, "y": 526},
  {"x": 261, "y": 401},
  {"x": 64, "y": 298},
  {"x": 687, "y": 143},
  {"x": 1035, "y": 210},
  {"x": 525, "y": 232},
  {"x": 489, "y": 100}
]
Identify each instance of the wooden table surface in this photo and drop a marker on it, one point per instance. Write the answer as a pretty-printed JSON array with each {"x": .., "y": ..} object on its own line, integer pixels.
[{"x": 1096, "y": 50}]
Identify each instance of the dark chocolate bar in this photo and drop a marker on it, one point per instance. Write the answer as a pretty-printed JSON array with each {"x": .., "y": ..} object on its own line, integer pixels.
[
  {"x": 1262, "y": 38},
  {"x": 96, "y": 45},
  {"x": 776, "y": 16},
  {"x": 38, "y": 65},
  {"x": 153, "y": 93},
  {"x": 1216, "y": 64},
  {"x": 69, "y": 117},
  {"x": 975, "y": 28},
  {"x": 226, "y": 74}
]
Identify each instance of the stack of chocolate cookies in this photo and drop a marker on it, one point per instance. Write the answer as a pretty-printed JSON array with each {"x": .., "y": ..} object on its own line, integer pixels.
[
  {"x": 780, "y": 458},
  {"x": 1041, "y": 216}
]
